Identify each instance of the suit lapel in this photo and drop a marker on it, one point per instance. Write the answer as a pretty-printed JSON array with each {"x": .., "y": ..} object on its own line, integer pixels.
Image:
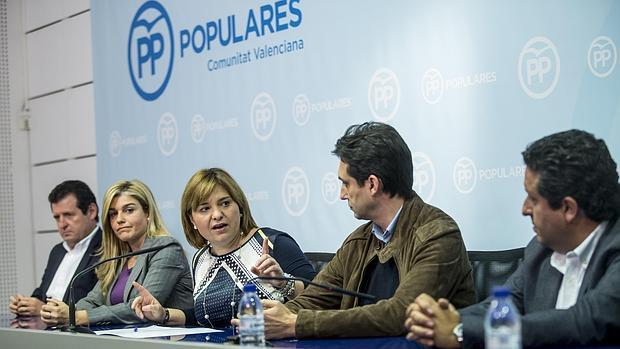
[
  {"x": 138, "y": 269},
  {"x": 57, "y": 255},
  {"x": 87, "y": 260},
  {"x": 595, "y": 266},
  {"x": 547, "y": 287}
]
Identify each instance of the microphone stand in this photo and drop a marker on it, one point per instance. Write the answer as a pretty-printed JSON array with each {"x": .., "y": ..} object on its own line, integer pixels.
[
  {"x": 81, "y": 329},
  {"x": 323, "y": 286}
]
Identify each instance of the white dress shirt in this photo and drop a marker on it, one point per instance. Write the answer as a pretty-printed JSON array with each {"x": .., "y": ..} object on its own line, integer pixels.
[
  {"x": 68, "y": 266},
  {"x": 573, "y": 266}
]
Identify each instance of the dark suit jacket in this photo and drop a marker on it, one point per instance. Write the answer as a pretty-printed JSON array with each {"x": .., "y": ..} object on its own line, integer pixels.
[
  {"x": 84, "y": 284},
  {"x": 594, "y": 319}
]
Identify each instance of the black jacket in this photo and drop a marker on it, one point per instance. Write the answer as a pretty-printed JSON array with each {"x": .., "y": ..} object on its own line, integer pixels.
[{"x": 84, "y": 284}]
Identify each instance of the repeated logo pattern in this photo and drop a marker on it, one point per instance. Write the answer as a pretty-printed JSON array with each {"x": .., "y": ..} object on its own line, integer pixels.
[
  {"x": 384, "y": 94},
  {"x": 602, "y": 56},
  {"x": 167, "y": 134},
  {"x": 263, "y": 114},
  {"x": 539, "y": 67},
  {"x": 295, "y": 191}
]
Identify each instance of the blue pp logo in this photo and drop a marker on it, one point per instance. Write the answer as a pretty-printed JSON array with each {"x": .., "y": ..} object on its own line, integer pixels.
[{"x": 150, "y": 50}]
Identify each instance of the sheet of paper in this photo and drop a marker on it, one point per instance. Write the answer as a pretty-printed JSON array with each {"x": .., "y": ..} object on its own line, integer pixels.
[{"x": 155, "y": 331}]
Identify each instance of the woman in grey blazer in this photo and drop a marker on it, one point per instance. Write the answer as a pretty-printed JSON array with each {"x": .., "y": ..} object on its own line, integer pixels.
[{"x": 131, "y": 222}]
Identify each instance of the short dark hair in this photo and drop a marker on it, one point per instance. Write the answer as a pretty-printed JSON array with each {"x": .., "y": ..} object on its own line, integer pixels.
[
  {"x": 574, "y": 163},
  {"x": 377, "y": 148},
  {"x": 82, "y": 192}
]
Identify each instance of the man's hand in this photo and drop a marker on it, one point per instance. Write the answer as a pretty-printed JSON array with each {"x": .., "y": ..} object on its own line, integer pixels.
[
  {"x": 431, "y": 322},
  {"x": 279, "y": 321},
  {"x": 145, "y": 305},
  {"x": 55, "y": 312},
  {"x": 25, "y": 306}
]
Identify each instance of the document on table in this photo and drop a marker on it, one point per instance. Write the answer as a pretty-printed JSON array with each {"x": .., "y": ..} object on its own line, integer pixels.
[{"x": 155, "y": 331}]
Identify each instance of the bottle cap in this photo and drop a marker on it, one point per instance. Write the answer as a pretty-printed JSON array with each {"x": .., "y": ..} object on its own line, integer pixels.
[
  {"x": 500, "y": 291},
  {"x": 249, "y": 288}
]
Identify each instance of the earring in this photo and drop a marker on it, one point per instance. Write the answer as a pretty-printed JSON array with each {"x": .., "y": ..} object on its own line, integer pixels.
[{"x": 195, "y": 227}]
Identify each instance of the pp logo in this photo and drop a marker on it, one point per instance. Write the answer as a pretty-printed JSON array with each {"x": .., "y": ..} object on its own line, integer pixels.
[
  {"x": 539, "y": 67},
  {"x": 423, "y": 176},
  {"x": 167, "y": 134},
  {"x": 295, "y": 191},
  {"x": 301, "y": 109},
  {"x": 263, "y": 114},
  {"x": 602, "y": 56},
  {"x": 432, "y": 86},
  {"x": 150, "y": 50},
  {"x": 464, "y": 175},
  {"x": 384, "y": 94},
  {"x": 330, "y": 188},
  {"x": 116, "y": 143},
  {"x": 198, "y": 128}
]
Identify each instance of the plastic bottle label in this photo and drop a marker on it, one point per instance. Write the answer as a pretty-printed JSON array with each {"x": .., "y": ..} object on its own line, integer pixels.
[
  {"x": 251, "y": 330},
  {"x": 503, "y": 337}
]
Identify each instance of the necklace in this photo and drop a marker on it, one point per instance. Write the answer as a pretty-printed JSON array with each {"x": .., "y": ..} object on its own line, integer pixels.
[{"x": 217, "y": 263}]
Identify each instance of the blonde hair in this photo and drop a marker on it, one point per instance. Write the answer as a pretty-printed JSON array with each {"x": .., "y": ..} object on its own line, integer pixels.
[
  {"x": 199, "y": 187},
  {"x": 111, "y": 245}
]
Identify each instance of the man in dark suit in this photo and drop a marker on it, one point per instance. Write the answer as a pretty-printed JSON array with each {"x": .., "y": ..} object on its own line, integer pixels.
[
  {"x": 75, "y": 210},
  {"x": 567, "y": 288}
]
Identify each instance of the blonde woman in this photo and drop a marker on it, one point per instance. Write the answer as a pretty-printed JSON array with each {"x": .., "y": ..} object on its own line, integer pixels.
[
  {"x": 131, "y": 222},
  {"x": 232, "y": 251}
]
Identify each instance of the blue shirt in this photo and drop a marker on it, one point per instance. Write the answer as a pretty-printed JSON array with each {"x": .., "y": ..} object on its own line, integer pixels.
[{"x": 386, "y": 235}]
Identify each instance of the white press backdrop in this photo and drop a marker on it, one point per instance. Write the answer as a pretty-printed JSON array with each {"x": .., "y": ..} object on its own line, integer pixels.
[{"x": 265, "y": 88}]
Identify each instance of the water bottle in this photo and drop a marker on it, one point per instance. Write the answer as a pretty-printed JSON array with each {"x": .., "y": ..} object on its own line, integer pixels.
[
  {"x": 502, "y": 325},
  {"x": 251, "y": 320}
]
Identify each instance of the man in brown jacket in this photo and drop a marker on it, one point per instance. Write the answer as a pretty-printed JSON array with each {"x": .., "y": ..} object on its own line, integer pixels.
[{"x": 407, "y": 248}]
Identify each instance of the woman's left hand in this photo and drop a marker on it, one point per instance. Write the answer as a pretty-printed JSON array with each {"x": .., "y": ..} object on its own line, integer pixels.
[
  {"x": 55, "y": 312},
  {"x": 268, "y": 266}
]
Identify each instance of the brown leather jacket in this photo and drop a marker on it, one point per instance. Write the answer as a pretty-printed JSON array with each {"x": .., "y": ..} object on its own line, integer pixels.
[{"x": 430, "y": 256}]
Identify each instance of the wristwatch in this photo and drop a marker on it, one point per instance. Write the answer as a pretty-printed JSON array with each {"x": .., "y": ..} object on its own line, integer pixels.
[
  {"x": 166, "y": 317},
  {"x": 457, "y": 331},
  {"x": 288, "y": 290}
]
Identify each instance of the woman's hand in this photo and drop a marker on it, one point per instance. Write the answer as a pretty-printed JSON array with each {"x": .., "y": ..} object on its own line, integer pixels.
[
  {"x": 268, "y": 266},
  {"x": 146, "y": 306}
]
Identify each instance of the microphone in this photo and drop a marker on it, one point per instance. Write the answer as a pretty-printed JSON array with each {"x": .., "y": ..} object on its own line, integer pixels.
[
  {"x": 80, "y": 329},
  {"x": 234, "y": 339},
  {"x": 323, "y": 286}
]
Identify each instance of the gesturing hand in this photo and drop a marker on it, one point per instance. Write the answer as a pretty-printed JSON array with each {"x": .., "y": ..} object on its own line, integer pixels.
[
  {"x": 268, "y": 266},
  {"x": 147, "y": 306}
]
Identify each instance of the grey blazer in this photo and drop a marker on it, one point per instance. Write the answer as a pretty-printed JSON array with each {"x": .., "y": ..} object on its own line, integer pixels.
[
  {"x": 594, "y": 319},
  {"x": 165, "y": 273}
]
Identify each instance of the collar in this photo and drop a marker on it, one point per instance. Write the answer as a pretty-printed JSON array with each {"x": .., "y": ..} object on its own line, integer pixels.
[
  {"x": 584, "y": 251},
  {"x": 82, "y": 244},
  {"x": 386, "y": 235}
]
